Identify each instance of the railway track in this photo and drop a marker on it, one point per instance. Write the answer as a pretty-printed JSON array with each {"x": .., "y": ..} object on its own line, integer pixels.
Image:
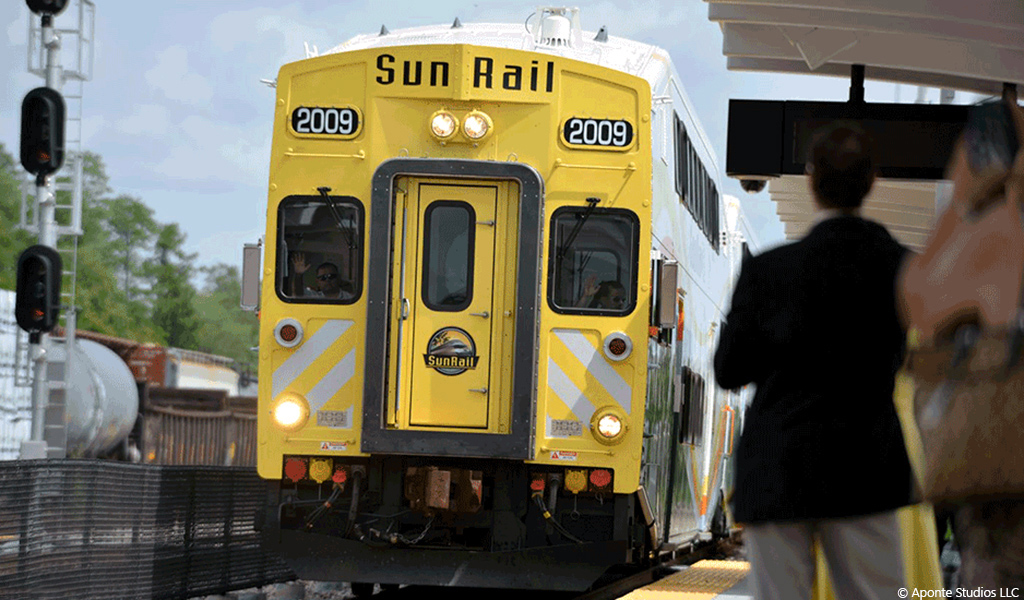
[{"x": 613, "y": 586}]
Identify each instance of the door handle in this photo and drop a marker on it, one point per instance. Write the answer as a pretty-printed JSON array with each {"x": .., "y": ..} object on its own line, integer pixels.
[
  {"x": 484, "y": 314},
  {"x": 405, "y": 308},
  {"x": 479, "y": 390},
  {"x": 488, "y": 223}
]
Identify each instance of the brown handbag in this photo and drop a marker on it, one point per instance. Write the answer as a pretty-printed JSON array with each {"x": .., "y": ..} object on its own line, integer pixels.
[{"x": 963, "y": 299}]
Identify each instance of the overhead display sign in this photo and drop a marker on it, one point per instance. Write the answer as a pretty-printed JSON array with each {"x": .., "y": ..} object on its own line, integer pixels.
[{"x": 768, "y": 138}]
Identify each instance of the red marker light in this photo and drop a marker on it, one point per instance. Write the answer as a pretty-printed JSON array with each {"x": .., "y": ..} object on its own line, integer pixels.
[
  {"x": 601, "y": 478},
  {"x": 289, "y": 333},
  {"x": 295, "y": 469}
]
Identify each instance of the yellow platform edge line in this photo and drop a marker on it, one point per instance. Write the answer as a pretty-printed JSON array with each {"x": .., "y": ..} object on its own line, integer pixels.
[{"x": 701, "y": 581}]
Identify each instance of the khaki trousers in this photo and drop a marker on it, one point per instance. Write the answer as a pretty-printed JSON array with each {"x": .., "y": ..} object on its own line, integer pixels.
[{"x": 863, "y": 553}]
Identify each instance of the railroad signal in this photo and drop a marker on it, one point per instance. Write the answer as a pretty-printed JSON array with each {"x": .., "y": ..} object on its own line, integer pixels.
[
  {"x": 47, "y": 7},
  {"x": 37, "y": 301},
  {"x": 42, "y": 131}
]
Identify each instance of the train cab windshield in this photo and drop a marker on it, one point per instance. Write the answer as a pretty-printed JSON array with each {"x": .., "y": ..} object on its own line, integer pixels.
[
  {"x": 320, "y": 249},
  {"x": 593, "y": 261}
]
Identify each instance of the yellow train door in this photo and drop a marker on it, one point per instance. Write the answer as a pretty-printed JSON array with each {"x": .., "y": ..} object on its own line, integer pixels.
[
  {"x": 448, "y": 297},
  {"x": 452, "y": 329}
]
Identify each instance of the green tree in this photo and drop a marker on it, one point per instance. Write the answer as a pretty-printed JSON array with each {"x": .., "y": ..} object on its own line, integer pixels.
[
  {"x": 226, "y": 329},
  {"x": 134, "y": 279},
  {"x": 173, "y": 295},
  {"x": 133, "y": 229},
  {"x": 104, "y": 307},
  {"x": 12, "y": 239}
]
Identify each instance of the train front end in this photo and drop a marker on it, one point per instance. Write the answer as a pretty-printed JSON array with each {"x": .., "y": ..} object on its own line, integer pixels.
[{"x": 456, "y": 274}]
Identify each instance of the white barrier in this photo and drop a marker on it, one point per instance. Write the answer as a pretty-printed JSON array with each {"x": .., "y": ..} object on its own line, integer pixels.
[{"x": 15, "y": 401}]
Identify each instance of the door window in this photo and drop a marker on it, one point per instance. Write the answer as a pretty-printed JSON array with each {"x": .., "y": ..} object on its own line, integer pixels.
[{"x": 448, "y": 248}]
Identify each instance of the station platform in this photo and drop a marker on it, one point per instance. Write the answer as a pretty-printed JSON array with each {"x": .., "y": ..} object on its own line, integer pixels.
[{"x": 703, "y": 580}]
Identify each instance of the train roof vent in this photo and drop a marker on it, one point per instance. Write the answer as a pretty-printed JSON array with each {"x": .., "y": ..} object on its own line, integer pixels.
[{"x": 558, "y": 27}]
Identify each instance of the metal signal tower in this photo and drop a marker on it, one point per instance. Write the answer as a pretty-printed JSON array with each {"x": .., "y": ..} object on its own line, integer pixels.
[{"x": 56, "y": 212}]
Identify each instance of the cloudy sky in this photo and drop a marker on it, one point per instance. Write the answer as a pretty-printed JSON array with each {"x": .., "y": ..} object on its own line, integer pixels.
[{"x": 177, "y": 111}]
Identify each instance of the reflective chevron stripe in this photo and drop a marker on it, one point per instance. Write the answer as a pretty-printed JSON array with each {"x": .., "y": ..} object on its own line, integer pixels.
[
  {"x": 307, "y": 354},
  {"x": 567, "y": 391},
  {"x": 333, "y": 381},
  {"x": 598, "y": 366}
]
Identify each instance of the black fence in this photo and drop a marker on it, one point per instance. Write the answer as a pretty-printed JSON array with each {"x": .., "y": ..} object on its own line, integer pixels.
[{"x": 96, "y": 529}]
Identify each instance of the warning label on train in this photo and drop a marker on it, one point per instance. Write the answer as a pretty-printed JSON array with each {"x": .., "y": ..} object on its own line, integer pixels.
[{"x": 563, "y": 455}]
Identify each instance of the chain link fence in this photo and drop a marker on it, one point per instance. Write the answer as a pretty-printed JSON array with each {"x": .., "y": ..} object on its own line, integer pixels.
[
  {"x": 89, "y": 529},
  {"x": 105, "y": 530}
]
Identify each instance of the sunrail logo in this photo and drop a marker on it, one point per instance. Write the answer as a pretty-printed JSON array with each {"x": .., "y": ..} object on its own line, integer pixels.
[
  {"x": 451, "y": 351},
  {"x": 486, "y": 73}
]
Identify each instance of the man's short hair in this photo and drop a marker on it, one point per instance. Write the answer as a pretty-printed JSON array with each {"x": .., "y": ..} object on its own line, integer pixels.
[
  {"x": 604, "y": 290},
  {"x": 607, "y": 287},
  {"x": 842, "y": 165},
  {"x": 328, "y": 265}
]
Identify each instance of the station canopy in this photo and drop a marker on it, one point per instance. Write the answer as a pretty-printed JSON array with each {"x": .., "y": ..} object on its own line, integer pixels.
[{"x": 974, "y": 46}]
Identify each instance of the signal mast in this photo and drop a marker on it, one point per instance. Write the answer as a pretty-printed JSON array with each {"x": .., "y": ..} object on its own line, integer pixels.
[{"x": 40, "y": 267}]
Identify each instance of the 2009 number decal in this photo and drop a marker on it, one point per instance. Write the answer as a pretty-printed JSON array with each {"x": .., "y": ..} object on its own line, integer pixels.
[
  {"x": 598, "y": 132},
  {"x": 327, "y": 121}
]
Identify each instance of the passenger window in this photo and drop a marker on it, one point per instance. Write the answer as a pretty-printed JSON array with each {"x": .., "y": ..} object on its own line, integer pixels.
[
  {"x": 691, "y": 416},
  {"x": 593, "y": 261},
  {"x": 682, "y": 146},
  {"x": 320, "y": 249},
  {"x": 448, "y": 255}
]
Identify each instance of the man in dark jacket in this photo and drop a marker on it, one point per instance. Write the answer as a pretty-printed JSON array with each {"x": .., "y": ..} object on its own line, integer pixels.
[{"x": 814, "y": 326}]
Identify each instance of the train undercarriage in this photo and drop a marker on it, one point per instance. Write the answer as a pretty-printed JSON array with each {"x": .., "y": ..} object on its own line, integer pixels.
[{"x": 472, "y": 523}]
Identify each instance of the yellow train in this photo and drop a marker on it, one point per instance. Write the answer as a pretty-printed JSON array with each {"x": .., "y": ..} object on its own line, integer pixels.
[{"x": 494, "y": 266}]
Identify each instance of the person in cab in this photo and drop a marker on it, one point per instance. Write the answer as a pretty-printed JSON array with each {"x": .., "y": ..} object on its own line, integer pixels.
[
  {"x": 328, "y": 283},
  {"x": 609, "y": 294}
]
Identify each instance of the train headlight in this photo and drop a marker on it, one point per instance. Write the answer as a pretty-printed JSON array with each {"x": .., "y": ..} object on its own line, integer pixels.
[
  {"x": 477, "y": 125},
  {"x": 609, "y": 425},
  {"x": 443, "y": 124},
  {"x": 290, "y": 411}
]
